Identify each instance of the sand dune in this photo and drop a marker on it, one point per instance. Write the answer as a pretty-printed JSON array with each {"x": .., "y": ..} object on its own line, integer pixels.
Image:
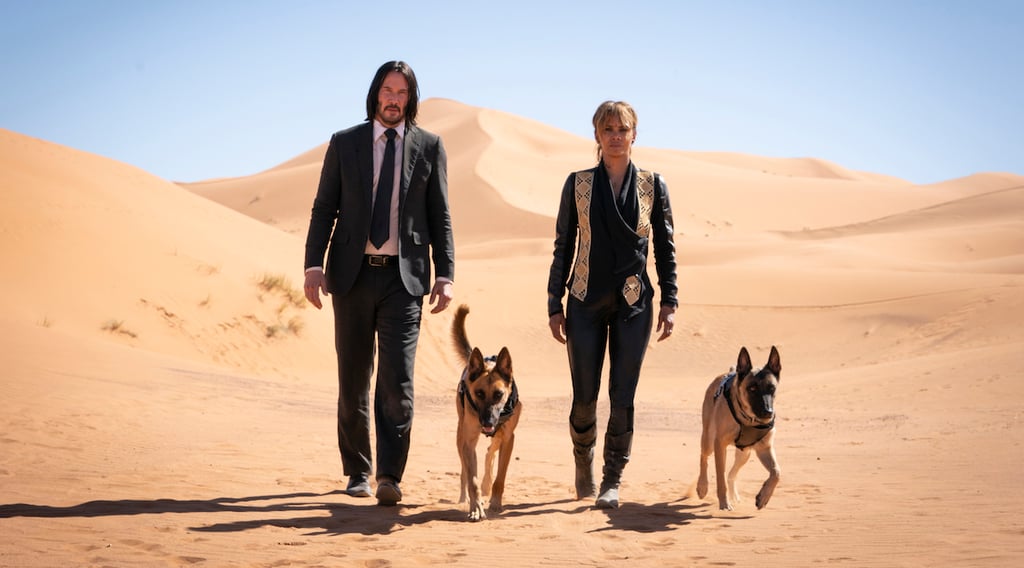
[{"x": 166, "y": 403}]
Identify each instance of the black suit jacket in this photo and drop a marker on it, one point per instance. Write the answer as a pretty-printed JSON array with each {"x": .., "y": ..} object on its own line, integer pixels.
[{"x": 344, "y": 200}]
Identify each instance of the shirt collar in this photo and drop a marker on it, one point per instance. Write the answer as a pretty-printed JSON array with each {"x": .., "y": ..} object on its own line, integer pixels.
[{"x": 378, "y": 129}]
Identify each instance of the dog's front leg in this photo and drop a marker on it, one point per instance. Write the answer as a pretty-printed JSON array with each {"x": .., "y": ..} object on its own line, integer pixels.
[
  {"x": 721, "y": 451},
  {"x": 459, "y": 435},
  {"x": 463, "y": 472},
  {"x": 492, "y": 448},
  {"x": 467, "y": 451},
  {"x": 706, "y": 449},
  {"x": 740, "y": 458},
  {"x": 504, "y": 458},
  {"x": 767, "y": 456}
]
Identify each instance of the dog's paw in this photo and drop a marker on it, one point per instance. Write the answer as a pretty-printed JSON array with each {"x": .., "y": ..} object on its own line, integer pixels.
[
  {"x": 761, "y": 501},
  {"x": 477, "y": 513},
  {"x": 702, "y": 489},
  {"x": 495, "y": 507},
  {"x": 724, "y": 506}
]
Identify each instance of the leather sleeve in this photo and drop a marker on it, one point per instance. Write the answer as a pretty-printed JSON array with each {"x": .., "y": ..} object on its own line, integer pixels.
[
  {"x": 664, "y": 245},
  {"x": 566, "y": 226}
]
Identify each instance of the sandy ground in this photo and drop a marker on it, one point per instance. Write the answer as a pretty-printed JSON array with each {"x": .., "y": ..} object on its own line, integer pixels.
[{"x": 168, "y": 402}]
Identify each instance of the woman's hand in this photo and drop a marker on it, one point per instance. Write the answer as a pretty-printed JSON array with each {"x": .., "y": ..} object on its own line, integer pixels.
[
  {"x": 666, "y": 321},
  {"x": 557, "y": 325}
]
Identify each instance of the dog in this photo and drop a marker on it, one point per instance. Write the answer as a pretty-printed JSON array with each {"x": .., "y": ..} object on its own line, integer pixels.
[
  {"x": 739, "y": 410},
  {"x": 488, "y": 403}
]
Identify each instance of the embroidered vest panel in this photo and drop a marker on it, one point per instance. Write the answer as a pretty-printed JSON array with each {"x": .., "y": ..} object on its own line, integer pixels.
[{"x": 584, "y": 196}]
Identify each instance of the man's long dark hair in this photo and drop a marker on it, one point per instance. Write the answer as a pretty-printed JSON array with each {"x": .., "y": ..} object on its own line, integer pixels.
[{"x": 378, "y": 80}]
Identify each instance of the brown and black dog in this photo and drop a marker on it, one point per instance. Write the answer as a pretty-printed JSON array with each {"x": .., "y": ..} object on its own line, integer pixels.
[
  {"x": 488, "y": 403},
  {"x": 739, "y": 410}
]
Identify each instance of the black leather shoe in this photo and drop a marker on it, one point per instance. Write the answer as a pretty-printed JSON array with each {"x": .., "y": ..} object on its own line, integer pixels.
[
  {"x": 358, "y": 486},
  {"x": 388, "y": 493}
]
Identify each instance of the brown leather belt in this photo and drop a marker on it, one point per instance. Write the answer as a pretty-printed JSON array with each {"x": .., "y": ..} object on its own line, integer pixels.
[{"x": 380, "y": 260}]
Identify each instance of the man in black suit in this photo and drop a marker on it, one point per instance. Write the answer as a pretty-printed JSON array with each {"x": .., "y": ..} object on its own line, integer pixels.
[{"x": 382, "y": 207}]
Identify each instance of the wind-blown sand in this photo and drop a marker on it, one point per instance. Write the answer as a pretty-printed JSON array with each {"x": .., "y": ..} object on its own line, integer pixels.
[{"x": 166, "y": 402}]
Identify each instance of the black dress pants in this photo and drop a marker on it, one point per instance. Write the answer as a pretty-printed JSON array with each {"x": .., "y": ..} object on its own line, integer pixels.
[{"x": 377, "y": 307}]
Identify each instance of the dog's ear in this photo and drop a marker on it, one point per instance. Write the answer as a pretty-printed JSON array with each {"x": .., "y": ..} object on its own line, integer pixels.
[
  {"x": 476, "y": 364},
  {"x": 504, "y": 363},
  {"x": 774, "y": 363},
  {"x": 743, "y": 365}
]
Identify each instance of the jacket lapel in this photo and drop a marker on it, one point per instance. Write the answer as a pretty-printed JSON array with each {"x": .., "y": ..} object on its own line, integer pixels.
[
  {"x": 410, "y": 153},
  {"x": 364, "y": 149}
]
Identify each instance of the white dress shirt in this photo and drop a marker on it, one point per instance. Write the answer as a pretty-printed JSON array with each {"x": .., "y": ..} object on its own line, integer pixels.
[{"x": 390, "y": 246}]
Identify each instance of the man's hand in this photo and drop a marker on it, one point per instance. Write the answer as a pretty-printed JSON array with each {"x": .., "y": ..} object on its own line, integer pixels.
[
  {"x": 315, "y": 283},
  {"x": 442, "y": 293}
]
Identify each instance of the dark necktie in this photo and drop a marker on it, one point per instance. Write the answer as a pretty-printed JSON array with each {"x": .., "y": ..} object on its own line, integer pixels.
[{"x": 380, "y": 223}]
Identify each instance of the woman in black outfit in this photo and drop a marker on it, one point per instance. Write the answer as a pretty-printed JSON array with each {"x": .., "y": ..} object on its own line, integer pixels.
[{"x": 607, "y": 219}]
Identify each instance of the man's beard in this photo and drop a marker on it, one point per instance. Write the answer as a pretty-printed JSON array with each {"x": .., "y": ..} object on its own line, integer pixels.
[{"x": 384, "y": 117}]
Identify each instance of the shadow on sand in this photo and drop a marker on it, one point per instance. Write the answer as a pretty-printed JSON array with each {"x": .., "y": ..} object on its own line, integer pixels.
[{"x": 324, "y": 515}]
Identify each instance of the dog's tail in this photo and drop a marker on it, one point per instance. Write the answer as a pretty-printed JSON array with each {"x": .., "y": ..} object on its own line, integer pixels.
[{"x": 462, "y": 346}]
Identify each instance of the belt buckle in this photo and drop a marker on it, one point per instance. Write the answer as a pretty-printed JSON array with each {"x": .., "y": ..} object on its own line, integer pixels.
[{"x": 378, "y": 260}]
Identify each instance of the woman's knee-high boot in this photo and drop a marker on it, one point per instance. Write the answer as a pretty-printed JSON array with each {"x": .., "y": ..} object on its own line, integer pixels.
[
  {"x": 618, "y": 442},
  {"x": 583, "y": 451}
]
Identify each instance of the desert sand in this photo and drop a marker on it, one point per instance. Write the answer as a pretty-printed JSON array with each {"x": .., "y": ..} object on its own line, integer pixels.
[{"x": 168, "y": 401}]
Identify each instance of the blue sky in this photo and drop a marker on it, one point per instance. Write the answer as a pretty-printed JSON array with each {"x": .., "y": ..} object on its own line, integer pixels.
[{"x": 190, "y": 90}]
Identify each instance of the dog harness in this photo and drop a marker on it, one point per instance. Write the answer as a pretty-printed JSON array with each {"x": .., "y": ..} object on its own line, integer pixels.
[
  {"x": 749, "y": 434},
  {"x": 506, "y": 411}
]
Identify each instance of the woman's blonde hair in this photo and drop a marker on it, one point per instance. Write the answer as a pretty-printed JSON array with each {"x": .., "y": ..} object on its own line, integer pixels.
[{"x": 619, "y": 109}]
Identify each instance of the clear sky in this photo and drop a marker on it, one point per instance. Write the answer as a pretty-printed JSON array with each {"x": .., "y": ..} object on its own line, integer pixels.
[{"x": 925, "y": 90}]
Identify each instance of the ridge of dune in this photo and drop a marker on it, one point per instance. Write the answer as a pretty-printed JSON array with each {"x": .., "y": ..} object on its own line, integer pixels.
[
  {"x": 282, "y": 196},
  {"x": 979, "y": 233},
  {"x": 313, "y": 157},
  {"x": 981, "y": 182},
  {"x": 103, "y": 249},
  {"x": 527, "y": 161},
  {"x": 480, "y": 210},
  {"x": 996, "y": 207},
  {"x": 791, "y": 167},
  {"x": 506, "y": 173}
]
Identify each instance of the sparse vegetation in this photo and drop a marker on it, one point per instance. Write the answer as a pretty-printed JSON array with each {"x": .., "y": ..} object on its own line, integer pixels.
[
  {"x": 208, "y": 269},
  {"x": 277, "y": 284},
  {"x": 292, "y": 299},
  {"x": 117, "y": 326},
  {"x": 294, "y": 326}
]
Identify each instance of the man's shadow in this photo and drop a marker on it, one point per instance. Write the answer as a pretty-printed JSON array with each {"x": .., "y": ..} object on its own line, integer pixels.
[{"x": 127, "y": 507}]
